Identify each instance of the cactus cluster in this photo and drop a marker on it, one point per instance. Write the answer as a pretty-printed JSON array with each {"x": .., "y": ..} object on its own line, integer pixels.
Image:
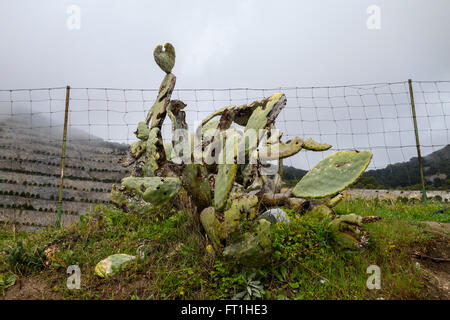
[{"x": 223, "y": 167}]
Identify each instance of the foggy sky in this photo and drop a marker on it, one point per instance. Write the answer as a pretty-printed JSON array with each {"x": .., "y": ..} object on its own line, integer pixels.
[
  {"x": 222, "y": 44},
  {"x": 226, "y": 44}
]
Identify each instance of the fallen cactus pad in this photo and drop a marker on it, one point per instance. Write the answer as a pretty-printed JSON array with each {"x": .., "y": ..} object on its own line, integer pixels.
[{"x": 333, "y": 174}]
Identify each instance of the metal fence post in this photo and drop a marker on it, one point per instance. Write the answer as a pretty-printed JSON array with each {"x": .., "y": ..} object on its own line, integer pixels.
[
  {"x": 416, "y": 131},
  {"x": 63, "y": 158}
]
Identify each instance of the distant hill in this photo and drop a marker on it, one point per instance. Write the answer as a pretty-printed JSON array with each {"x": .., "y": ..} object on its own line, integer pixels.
[
  {"x": 292, "y": 175},
  {"x": 30, "y": 173},
  {"x": 403, "y": 175},
  {"x": 436, "y": 167}
]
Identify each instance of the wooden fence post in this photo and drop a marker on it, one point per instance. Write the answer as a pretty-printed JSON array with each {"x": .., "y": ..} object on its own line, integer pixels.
[
  {"x": 63, "y": 158},
  {"x": 419, "y": 156}
]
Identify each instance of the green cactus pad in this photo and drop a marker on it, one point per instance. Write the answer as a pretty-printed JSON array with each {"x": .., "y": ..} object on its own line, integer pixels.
[
  {"x": 208, "y": 130},
  {"x": 157, "y": 113},
  {"x": 165, "y": 59},
  {"x": 224, "y": 183},
  {"x": 142, "y": 131},
  {"x": 242, "y": 207},
  {"x": 266, "y": 113},
  {"x": 137, "y": 148},
  {"x": 312, "y": 145},
  {"x": 212, "y": 226},
  {"x": 217, "y": 113},
  {"x": 261, "y": 118},
  {"x": 154, "y": 190},
  {"x": 346, "y": 230},
  {"x": 227, "y": 168},
  {"x": 254, "y": 248},
  {"x": 333, "y": 174},
  {"x": 321, "y": 211},
  {"x": 152, "y": 154},
  {"x": 195, "y": 181},
  {"x": 335, "y": 200},
  {"x": 168, "y": 148},
  {"x": 112, "y": 265},
  {"x": 280, "y": 150}
]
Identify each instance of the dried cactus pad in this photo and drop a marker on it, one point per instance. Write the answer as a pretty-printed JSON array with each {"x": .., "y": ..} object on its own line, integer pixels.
[
  {"x": 154, "y": 190},
  {"x": 333, "y": 174},
  {"x": 165, "y": 59}
]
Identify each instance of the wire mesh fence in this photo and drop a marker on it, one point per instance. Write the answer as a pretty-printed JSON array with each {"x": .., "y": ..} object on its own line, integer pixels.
[{"x": 102, "y": 121}]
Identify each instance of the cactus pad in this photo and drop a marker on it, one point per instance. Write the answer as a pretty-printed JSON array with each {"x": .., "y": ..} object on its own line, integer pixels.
[
  {"x": 254, "y": 248},
  {"x": 212, "y": 226},
  {"x": 113, "y": 264},
  {"x": 165, "y": 59},
  {"x": 333, "y": 174},
  {"x": 157, "y": 113},
  {"x": 242, "y": 207},
  {"x": 224, "y": 183},
  {"x": 154, "y": 190},
  {"x": 280, "y": 150},
  {"x": 312, "y": 145},
  {"x": 264, "y": 115},
  {"x": 137, "y": 148},
  {"x": 346, "y": 230},
  {"x": 168, "y": 150},
  {"x": 142, "y": 131},
  {"x": 195, "y": 181}
]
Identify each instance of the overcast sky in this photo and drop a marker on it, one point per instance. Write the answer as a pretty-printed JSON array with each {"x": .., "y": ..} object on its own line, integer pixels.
[
  {"x": 223, "y": 44},
  {"x": 226, "y": 44}
]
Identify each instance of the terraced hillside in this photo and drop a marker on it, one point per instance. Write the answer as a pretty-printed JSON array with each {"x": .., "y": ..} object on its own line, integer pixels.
[{"x": 30, "y": 174}]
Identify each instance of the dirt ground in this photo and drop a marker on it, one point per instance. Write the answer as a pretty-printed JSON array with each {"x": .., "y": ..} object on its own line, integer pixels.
[
  {"x": 34, "y": 288},
  {"x": 435, "y": 261}
]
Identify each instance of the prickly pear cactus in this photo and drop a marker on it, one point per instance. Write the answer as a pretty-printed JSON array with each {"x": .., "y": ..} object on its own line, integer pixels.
[{"x": 222, "y": 169}]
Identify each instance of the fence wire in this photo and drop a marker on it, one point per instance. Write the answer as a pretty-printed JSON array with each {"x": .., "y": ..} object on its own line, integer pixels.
[{"x": 101, "y": 123}]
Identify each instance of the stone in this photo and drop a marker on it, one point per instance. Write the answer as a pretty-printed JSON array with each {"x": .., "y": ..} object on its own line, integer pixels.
[{"x": 275, "y": 215}]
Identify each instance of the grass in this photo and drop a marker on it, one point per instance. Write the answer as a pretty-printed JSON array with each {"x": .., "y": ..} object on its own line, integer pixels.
[{"x": 305, "y": 264}]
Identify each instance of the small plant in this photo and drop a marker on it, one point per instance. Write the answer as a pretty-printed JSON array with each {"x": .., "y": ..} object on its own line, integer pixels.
[
  {"x": 24, "y": 260},
  {"x": 6, "y": 281},
  {"x": 250, "y": 289}
]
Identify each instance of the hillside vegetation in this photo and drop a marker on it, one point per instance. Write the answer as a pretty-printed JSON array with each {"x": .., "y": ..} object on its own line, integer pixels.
[
  {"x": 404, "y": 175},
  {"x": 30, "y": 174}
]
